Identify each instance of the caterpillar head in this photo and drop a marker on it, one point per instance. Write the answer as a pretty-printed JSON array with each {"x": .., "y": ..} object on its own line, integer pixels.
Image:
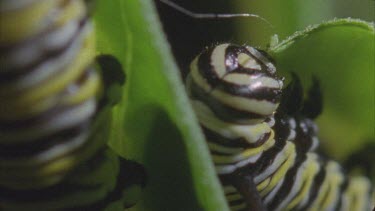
[{"x": 237, "y": 83}]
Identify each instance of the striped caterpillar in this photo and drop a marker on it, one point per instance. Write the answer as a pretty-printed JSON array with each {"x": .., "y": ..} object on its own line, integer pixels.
[
  {"x": 53, "y": 127},
  {"x": 265, "y": 153}
]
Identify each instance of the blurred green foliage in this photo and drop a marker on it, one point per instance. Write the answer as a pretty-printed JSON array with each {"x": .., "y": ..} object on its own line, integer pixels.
[{"x": 289, "y": 16}]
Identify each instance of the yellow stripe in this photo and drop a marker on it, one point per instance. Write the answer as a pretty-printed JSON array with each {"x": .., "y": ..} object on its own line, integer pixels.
[
  {"x": 325, "y": 189},
  {"x": 86, "y": 91},
  {"x": 58, "y": 82},
  {"x": 228, "y": 159},
  {"x": 75, "y": 10},
  {"x": 233, "y": 197},
  {"x": 251, "y": 133},
  {"x": 14, "y": 113},
  {"x": 39, "y": 168},
  {"x": 334, "y": 190},
  {"x": 16, "y": 25},
  {"x": 214, "y": 147},
  {"x": 261, "y": 107},
  {"x": 73, "y": 115},
  {"x": 263, "y": 184},
  {"x": 309, "y": 173},
  {"x": 280, "y": 172},
  {"x": 356, "y": 195}
]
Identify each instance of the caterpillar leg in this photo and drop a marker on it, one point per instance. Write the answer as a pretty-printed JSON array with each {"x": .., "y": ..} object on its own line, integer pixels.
[{"x": 241, "y": 192}]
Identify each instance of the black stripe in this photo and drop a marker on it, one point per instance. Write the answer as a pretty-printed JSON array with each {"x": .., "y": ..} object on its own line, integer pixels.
[
  {"x": 212, "y": 136},
  {"x": 206, "y": 69},
  {"x": 15, "y": 126},
  {"x": 131, "y": 174},
  {"x": 233, "y": 52},
  {"x": 263, "y": 59},
  {"x": 304, "y": 134},
  {"x": 286, "y": 187},
  {"x": 343, "y": 188},
  {"x": 282, "y": 129},
  {"x": 232, "y": 193},
  {"x": 59, "y": 190},
  {"x": 269, "y": 156},
  {"x": 260, "y": 93},
  {"x": 16, "y": 73},
  {"x": 35, "y": 147},
  {"x": 233, "y": 66},
  {"x": 230, "y": 62},
  {"x": 317, "y": 183},
  {"x": 230, "y": 57},
  {"x": 276, "y": 171},
  {"x": 236, "y": 202},
  {"x": 223, "y": 111},
  {"x": 80, "y": 153}
]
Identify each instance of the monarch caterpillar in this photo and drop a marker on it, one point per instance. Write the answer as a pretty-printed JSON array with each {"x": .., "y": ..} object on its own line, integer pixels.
[
  {"x": 53, "y": 131},
  {"x": 236, "y": 94}
]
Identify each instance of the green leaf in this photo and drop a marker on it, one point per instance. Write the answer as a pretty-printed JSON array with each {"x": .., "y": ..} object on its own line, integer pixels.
[
  {"x": 341, "y": 54},
  {"x": 154, "y": 123}
]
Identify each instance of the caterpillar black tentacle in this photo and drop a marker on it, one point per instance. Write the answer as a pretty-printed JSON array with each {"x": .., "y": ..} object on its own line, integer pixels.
[
  {"x": 292, "y": 98},
  {"x": 53, "y": 130},
  {"x": 313, "y": 105},
  {"x": 113, "y": 78},
  {"x": 236, "y": 95}
]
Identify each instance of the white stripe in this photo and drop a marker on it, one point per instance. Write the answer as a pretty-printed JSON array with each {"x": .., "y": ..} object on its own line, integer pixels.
[
  {"x": 296, "y": 186},
  {"x": 282, "y": 156},
  {"x": 315, "y": 144},
  {"x": 218, "y": 59},
  {"x": 58, "y": 122},
  {"x": 248, "y": 61},
  {"x": 50, "y": 66},
  {"x": 271, "y": 122},
  {"x": 268, "y": 199},
  {"x": 246, "y": 79},
  {"x": 261, "y": 107},
  {"x": 22, "y": 55},
  {"x": 244, "y": 154},
  {"x": 330, "y": 186},
  {"x": 197, "y": 78},
  {"x": 226, "y": 169},
  {"x": 261, "y": 57},
  {"x": 251, "y": 133},
  {"x": 214, "y": 147}
]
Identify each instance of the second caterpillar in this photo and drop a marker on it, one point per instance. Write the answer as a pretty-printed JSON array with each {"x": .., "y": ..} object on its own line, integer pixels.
[{"x": 236, "y": 95}]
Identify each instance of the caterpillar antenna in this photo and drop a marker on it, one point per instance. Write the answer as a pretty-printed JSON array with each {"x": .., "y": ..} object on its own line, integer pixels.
[{"x": 211, "y": 15}]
